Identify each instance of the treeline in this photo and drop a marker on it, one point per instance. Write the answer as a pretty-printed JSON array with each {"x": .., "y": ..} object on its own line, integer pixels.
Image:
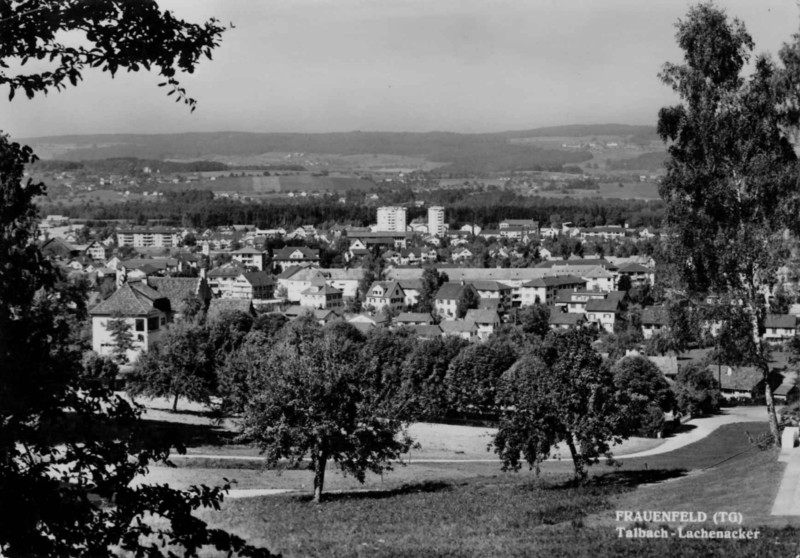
[
  {"x": 128, "y": 166},
  {"x": 197, "y": 209},
  {"x": 337, "y": 394}
]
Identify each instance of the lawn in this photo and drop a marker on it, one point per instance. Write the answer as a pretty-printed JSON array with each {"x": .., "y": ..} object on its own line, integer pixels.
[{"x": 472, "y": 508}]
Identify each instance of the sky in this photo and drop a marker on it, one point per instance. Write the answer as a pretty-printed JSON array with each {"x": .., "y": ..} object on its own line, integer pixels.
[{"x": 404, "y": 66}]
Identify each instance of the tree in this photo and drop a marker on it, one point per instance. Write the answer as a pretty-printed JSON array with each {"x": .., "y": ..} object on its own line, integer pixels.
[
  {"x": 561, "y": 392},
  {"x": 534, "y": 319},
  {"x": 431, "y": 281},
  {"x": 99, "y": 370},
  {"x": 120, "y": 330},
  {"x": 65, "y": 441},
  {"x": 642, "y": 392},
  {"x": 179, "y": 365},
  {"x": 624, "y": 283},
  {"x": 697, "y": 391},
  {"x": 424, "y": 389},
  {"x": 468, "y": 299},
  {"x": 473, "y": 375},
  {"x": 731, "y": 183},
  {"x": 310, "y": 400}
]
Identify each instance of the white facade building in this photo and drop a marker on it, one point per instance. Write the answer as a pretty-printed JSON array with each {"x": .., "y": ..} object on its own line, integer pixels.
[
  {"x": 436, "y": 225},
  {"x": 391, "y": 219}
]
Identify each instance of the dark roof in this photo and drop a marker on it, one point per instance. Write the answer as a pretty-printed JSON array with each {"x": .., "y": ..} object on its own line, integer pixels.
[
  {"x": 410, "y": 284},
  {"x": 784, "y": 321},
  {"x": 482, "y": 316},
  {"x": 555, "y": 281},
  {"x": 410, "y": 317},
  {"x": 565, "y": 318},
  {"x": 259, "y": 278},
  {"x": 743, "y": 378},
  {"x": 490, "y": 286},
  {"x": 178, "y": 289},
  {"x": 156, "y": 263},
  {"x": 602, "y": 305},
  {"x": 285, "y": 253},
  {"x": 578, "y": 261},
  {"x": 634, "y": 268},
  {"x": 655, "y": 315},
  {"x": 131, "y": 299},
  {"x": 450, "y": 291},
  {"x": 234, "y": 269},
  {"x": 457, "y": 326}
]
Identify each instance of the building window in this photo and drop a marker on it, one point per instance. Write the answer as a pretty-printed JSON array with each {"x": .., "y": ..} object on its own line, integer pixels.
[{"x": 140, "y": 325}]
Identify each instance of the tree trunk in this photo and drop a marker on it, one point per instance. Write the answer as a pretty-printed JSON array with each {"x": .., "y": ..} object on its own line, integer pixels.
[
  {"x": 764, "y": 365},
  {"x": 319, "y": 477},
  {"x": 773, "y": 418},
  {"x": 175, "y": 404},
  {"x": 577, "y": 459}
]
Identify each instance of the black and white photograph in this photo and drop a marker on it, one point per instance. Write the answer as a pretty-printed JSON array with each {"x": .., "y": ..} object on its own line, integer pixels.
[{"x": 399, "y": 278}]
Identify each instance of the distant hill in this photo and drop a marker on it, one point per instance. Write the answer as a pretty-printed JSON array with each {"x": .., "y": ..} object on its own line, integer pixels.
[{"x": 459, "y": 152}]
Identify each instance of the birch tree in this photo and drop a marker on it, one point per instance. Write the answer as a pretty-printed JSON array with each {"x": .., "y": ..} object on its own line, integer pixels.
[{"x": 731, "y": 188}]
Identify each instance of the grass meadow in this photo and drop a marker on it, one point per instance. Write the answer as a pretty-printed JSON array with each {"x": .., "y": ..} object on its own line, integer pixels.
[{"x": 466, "y": 506}]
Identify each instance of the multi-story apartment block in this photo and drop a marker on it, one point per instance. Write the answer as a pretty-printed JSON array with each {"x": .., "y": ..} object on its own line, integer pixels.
[
  {"x": 148, "y": 238},
  {"x": 392, "y": 219},
  {"x": 436, "y": 226}
]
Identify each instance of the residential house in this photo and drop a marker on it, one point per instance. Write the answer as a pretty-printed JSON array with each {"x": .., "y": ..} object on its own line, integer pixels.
[
  {"x": 655, "y": 319},
  {"x": 321, "y": 295},
  {"x": 58, "y": 249},
  {"x": 599, "y": 279},
  {"x": 251, "y": 258},
  {"x": 447, "y": 297},
  {"x": 367, "y": 322},
  {"x": 426, "y": 332},
  {"x": 252, "y": 285},
  {"x": 385, "y": 294},
  {"x": 543, "y": 290},
  {"x": 143, "y": 308},
  {"x": 95, "y": 251},
  {"x": 460, "y": 328},
  {"x": 494, "y": 290},
  {"x": 486, "y": 322},
  {"x": 221, "y": 279},
  {"x": 565, "y": 320},
  {"x": 294, "y": 256},
  {"x": 574, "y": 301},
  {"x": 780, "y": 327},
  {"x": 603, "y": 312},
  {"x": 528, "y": 224},
  {"x": 180, "y": 290},
  {"x": 413, "y": 319},
  {"x": 638, "y": 274},
  {"x": 461, "y": 255}
]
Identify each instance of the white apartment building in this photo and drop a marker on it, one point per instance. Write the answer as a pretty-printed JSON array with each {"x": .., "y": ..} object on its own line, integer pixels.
[
  {"x": 392, "y": 219},
  {"x": 148, "y": 238},
  {"x": 436, "y": 226}
]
